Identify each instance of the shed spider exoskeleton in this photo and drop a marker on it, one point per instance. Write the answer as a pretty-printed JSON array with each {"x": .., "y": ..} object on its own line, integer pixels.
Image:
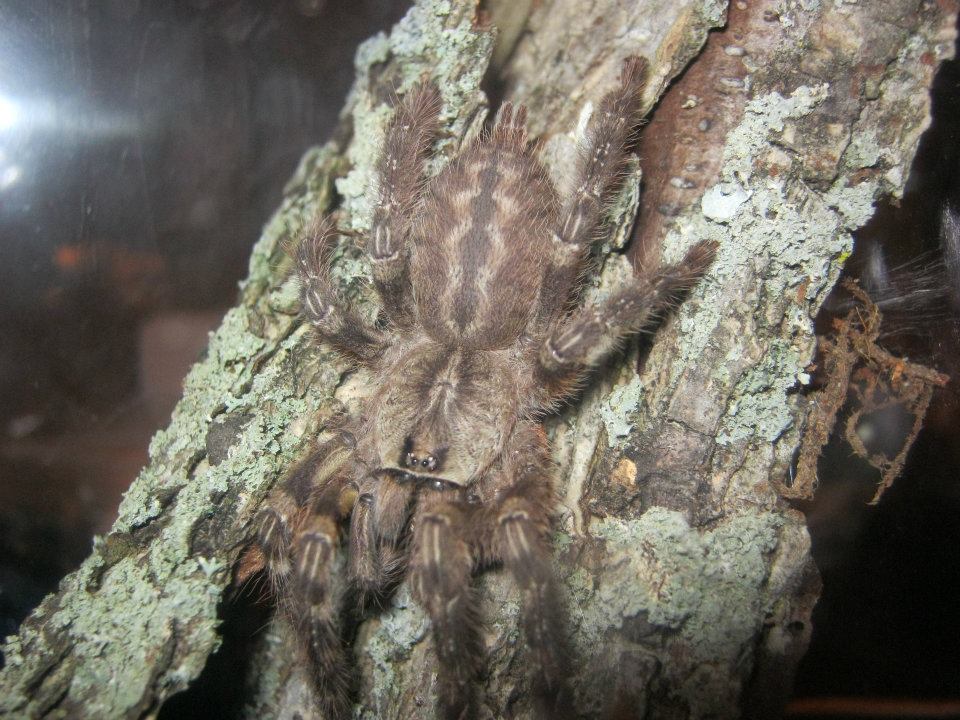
[{"x": 445, "y": 468}]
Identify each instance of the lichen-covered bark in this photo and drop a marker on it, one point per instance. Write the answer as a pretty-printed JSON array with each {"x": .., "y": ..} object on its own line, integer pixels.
[{"x": 689, "y": 582}]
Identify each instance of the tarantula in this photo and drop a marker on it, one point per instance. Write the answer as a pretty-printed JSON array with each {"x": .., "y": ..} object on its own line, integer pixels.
[{"x": 445, "y": 469}]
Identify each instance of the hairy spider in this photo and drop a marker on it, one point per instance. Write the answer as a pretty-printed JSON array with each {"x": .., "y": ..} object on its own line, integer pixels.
[{"x": 445, "y": 469}]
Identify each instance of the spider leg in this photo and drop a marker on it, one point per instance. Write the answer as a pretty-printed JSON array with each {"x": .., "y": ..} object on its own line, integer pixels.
[
  {"x": 377, "y": 530},
  {"x": 440, "y": 579},
  {"x": 336, "y": 323},
  {"x": 401, "y": 174},
  {"x": 510, "y": 129},
  {"x": 515, "y": 530},
  {"x": 298, "y": 533},
  {"x": 592, "y": 333},
  {"x": 599, "y": 171}
]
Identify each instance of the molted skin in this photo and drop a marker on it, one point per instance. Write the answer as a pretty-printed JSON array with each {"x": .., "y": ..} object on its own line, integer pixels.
[{"x": 445, "y": 468}]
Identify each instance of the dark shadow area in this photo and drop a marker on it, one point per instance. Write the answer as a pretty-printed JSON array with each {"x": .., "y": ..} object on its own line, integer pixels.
[
  {"x": 221, "y": 690},
  {"x": 886, "y": 625}
]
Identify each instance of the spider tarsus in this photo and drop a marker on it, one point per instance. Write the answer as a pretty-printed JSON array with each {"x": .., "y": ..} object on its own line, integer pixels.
[
  {"x": 273, "y": 536},
  {"x": 510, "y": 128},
  {"x": 694, "y": 265},
  {"x": 591, "y": 334},
  {"x": 333, "y": 674},
  {"x": 633, "y": 74}
]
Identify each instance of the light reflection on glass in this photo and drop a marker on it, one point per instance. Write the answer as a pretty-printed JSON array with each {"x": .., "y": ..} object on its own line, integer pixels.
[
  {"x": 65, "y": 115},
  {"x": 26, "y": 124},
  {"x": 9, "y": 113},
  {"x": 9, "y": 174}
]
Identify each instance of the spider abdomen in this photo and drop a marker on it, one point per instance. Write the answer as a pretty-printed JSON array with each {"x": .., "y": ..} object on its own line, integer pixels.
[{"x": 478, "y": 259}]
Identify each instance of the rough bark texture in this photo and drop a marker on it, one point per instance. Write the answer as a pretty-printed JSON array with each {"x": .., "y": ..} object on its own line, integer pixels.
[{"x": 689, "y": 581}]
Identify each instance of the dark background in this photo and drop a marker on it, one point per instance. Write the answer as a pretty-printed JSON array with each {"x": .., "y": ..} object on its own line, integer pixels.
[{"x": 142, "y": 147}]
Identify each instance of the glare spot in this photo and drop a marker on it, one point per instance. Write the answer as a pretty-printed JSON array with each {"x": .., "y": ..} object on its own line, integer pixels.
[
  {"x": 9, "y": 175},
  {"x": 9, "y": 113}
]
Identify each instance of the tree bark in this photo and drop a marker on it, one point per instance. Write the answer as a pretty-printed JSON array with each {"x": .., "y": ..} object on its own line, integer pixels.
[{"x": 689, "y": 582}]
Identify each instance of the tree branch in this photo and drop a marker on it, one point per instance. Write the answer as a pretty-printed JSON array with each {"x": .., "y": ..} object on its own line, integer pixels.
[{"x": 688, "y": 579}]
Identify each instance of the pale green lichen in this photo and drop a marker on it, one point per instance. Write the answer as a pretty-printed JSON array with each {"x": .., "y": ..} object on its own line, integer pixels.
[
  {"x": 703, "y": 592},
  {"x": 388, "y": 638},
  {"x": 751, "y": 414},
  {"x": 863, "y": 151},
  {"x": 764, "y": 115},
  {"x": 617, "y": 408},
  {"x": 706, "y": 585},
  {"x": 773, "y": 213},
  {"x": 714, "y": 13},
  {"x": 810, "y": 233},
  {"x": 855, "y": 203}
]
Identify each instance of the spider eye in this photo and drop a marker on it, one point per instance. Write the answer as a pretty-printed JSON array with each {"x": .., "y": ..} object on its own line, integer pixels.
[{"x": 412, "y": 460}]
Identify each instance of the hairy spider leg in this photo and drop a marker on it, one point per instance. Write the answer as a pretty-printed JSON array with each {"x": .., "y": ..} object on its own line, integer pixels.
[
  {"x": 334, "y": 322},
  {"x": 401, "y": 180},
  {"x": 298, "y": 533},
  {"x": 599, "y": 171},
  {"x": 592, "y": 333},
  {"x": 441, "y": 566},
  {"x": 378, "y": 536},
  {"x": 515, "y": 530}
]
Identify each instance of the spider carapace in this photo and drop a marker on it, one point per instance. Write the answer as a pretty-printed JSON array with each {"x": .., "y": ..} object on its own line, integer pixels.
[{"x": 445, "y": 469}]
